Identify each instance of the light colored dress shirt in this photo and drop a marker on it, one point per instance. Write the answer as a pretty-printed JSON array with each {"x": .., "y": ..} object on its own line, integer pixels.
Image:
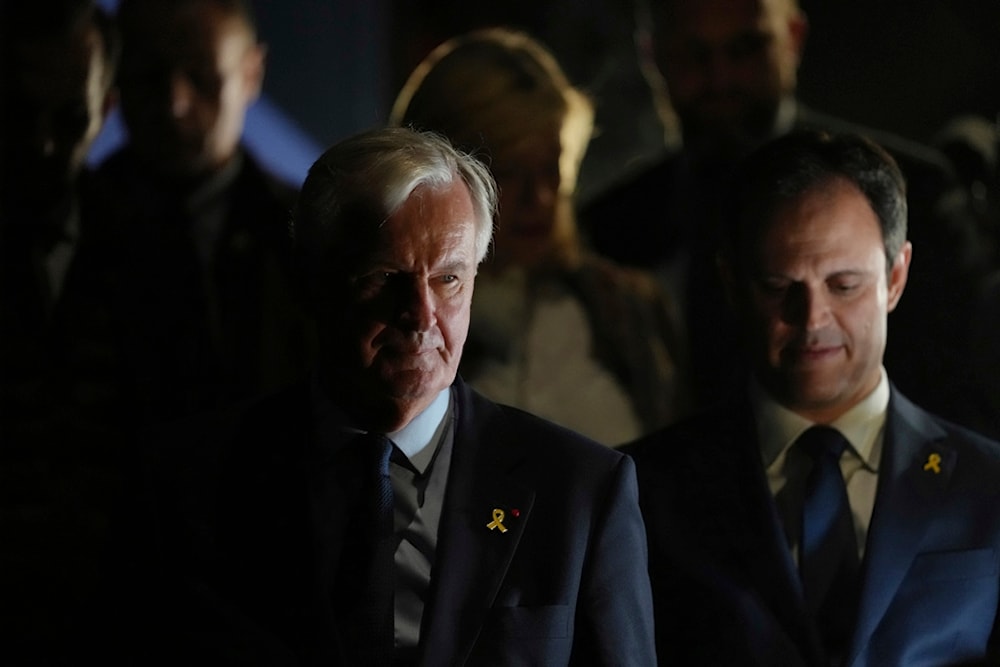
[
  {"x": 548, "y": 366},
  {"x": 863, "y": 426},
  {"x": 419, "y": 472}
]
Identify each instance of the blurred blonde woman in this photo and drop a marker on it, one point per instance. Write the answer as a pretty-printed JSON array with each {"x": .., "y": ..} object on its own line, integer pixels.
[{"x": 555, "y": 330}]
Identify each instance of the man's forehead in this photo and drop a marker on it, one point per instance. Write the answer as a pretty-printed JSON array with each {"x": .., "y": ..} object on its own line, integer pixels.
[
  {"x": 57, "y": 63},
  {"x": 190, "y": 31},
  {"x": 717, "y": 17},
  {"x": 835, "y": 216}
]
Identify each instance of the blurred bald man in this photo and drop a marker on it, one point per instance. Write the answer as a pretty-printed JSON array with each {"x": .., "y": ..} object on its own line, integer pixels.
[{"x": 215, "y": 321}]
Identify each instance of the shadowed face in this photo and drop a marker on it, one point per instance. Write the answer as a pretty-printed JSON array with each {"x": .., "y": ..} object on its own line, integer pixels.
[
  {"x": 188, "y": 76},
  {"x": 55, "y": 100},
  {"x": 818, "y": 301},
  {"x": 529, "y": 180},
  {"x": 728, "y": 63},
  {"x": 394, "y": 339}
]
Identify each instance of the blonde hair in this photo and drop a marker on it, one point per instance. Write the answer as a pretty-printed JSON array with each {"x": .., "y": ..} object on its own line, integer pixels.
[
  {"x": 492, "y": 88},
  {"x": 492, "y": 91}
]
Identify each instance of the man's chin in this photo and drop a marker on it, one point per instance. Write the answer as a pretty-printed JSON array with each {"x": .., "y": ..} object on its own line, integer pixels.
[
  {"x": 404, "y": 396},
  {"x": 414, "y": 384}
]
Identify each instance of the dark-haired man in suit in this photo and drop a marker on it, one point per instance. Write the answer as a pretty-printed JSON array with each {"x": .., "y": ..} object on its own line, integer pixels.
[{"x": 820, "y": 517}]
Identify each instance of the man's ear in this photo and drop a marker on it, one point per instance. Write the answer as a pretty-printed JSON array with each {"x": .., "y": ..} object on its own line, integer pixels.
[
  {"x": 650, "y": 69},
  {"x": 254, "y": 64},
  {"x": 798, "y": 30},
  {"x": 109, "y": 103},
  {"x": 898, "y": 274}
]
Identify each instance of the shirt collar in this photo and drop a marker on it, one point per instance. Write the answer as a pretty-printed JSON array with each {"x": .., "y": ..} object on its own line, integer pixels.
[
  {"x": 784, "y": 119},
  {"x": 417, "y": 440},
  {"x": 214, "y": 186},
  {"x": 778, "y": 427},
  {"x": 423, "y": 432}
]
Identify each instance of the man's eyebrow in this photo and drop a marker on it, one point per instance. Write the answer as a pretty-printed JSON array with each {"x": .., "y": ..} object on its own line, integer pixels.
[
  {"x": 849, "y": 272},
  {"x": 766, "y": 274},
  {"x": 455, "y": 265}
]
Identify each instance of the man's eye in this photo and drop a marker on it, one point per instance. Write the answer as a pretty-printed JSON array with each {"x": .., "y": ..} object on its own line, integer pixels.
[
  {"x": 844, "y": 288},
  {"x": 748, "y": 46},
  {"x": 372, "y": 281},
  {"x": 773, "y": 287},
  {"x": 207, "y": 82}
]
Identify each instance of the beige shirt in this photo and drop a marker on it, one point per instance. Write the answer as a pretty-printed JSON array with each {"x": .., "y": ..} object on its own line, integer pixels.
[
  {"x": 863, "y": 426},
  {"x": 548, "y": 367}
]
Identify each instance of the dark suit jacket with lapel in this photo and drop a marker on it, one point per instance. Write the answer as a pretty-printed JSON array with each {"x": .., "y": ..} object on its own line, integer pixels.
[
  {"x": 726, "y": 590},
  {"x": 200, "y": 338},
  {"x": 64, "y": 416},
  {"x": 250, "y": 515}
]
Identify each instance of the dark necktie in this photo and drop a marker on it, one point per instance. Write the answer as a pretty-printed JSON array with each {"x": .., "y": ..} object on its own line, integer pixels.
[
  {"x": 379, "y": 596},
  {"x": 828, "y": 554}
]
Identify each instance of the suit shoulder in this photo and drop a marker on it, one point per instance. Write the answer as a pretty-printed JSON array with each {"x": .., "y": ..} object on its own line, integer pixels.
[
  {"x": 264, "y": 200},
  {"x": 619, "y": 279},
  {"x": 984, "y": 449},
  {"x": 272, "y": 186},
  {"x": 537, "y": 437},
  {"x": 636, "y": 190},
  {"x": 694, "y": 434},
  {"x": 914, "y": 158},
  {"x": 978, "y": 456},
  {"x": 559, "y": 437},
  {"x": 617, "y": 223}
]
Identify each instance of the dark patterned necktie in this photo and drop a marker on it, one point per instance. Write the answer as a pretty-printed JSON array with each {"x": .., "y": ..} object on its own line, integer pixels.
[{"x": 828, "y": 554}]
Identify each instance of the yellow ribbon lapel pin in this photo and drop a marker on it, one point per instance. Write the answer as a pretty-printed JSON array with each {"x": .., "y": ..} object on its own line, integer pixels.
[
  {"x": 933, "y": 463},
  {"x": 498, "y": 518}
]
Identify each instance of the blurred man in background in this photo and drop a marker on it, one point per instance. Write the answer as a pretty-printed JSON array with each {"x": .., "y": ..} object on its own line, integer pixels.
[
  {"x": 214, "y": 320},
  {"x": 62, "y": 409}
]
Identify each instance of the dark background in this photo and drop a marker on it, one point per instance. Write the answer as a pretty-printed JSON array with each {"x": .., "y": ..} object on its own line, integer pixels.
[{"x": 334, "y": 67}]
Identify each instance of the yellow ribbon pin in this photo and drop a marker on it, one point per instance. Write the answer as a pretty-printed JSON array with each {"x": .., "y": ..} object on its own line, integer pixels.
[
  {"x": 497, "y": 521},
  {"x": 933, "y": 463}
]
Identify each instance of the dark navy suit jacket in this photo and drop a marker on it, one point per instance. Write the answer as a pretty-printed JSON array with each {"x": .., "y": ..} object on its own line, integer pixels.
[
  {"x": 726, "y": 590},
  {"x": 233, "y": 554}
]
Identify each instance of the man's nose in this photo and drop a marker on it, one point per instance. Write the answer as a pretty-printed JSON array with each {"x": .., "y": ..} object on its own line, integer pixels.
[
  {"x": 719, "y": 70},
  {"x": 419, "y": 306},
  {"x": 181, "y": 94},
  {"x": 539, "y": 191},
  {"x": 808, "y": 307}
]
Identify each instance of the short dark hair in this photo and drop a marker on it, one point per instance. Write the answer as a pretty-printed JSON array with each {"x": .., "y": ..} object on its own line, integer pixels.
[
  {"x": 652, "y": 14},
  {"x": 241, "y": 8},
  {"x": 788, "y": 167}
]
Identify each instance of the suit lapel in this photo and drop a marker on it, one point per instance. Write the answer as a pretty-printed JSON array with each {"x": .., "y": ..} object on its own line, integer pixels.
[
  {"x": 915, "y": 470},
  {"x": 754, "y": 531},
  {"x": 474, "y": 552},
  {"x": 333, "y": 477}
]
